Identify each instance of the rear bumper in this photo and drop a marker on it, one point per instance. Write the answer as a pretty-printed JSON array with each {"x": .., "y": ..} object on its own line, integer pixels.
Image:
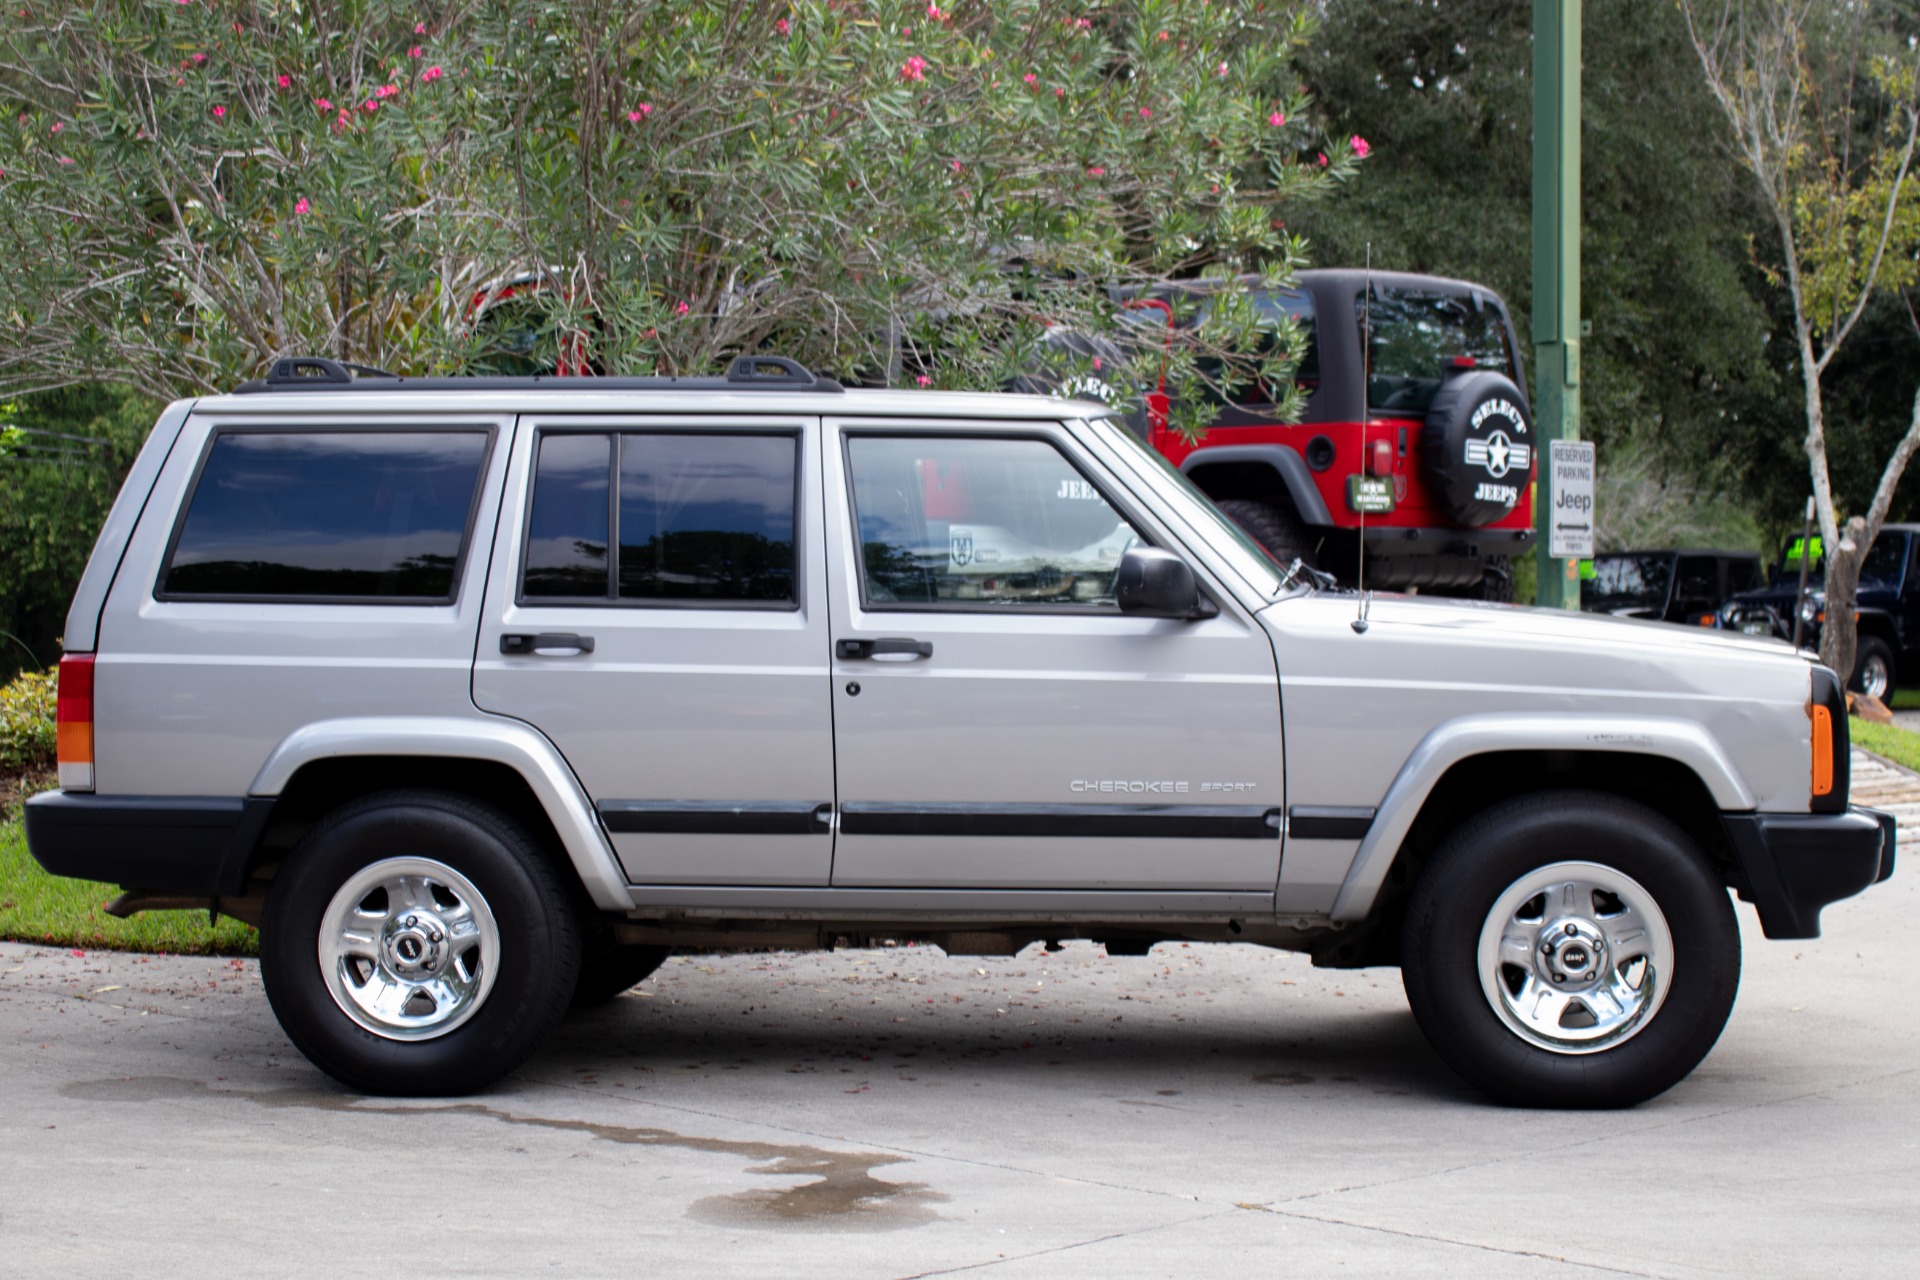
[
  {"x": 169, "y": 844},
  {"x": 1793, "y": 864}
]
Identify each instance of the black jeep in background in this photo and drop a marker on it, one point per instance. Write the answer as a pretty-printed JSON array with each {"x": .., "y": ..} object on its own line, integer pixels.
[
  {"x": 1888, "y": 605},
  {"x": 1668, "y": 586}
]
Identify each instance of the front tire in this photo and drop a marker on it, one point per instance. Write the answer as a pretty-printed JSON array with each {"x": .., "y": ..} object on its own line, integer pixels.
[
  {"x": 1873, "y": 669},
  {"x": 418, "y": 943},
  {"x": 1570, "y": 949}
]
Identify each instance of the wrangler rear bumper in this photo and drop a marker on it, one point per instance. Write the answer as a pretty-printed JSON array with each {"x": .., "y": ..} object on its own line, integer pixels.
[{"x": 1793, "y": 864}]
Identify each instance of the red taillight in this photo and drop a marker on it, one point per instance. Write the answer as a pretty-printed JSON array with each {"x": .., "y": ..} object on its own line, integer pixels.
[
  {"x": 1380, "y": 458},
  {"x": 73, "y": 722}
]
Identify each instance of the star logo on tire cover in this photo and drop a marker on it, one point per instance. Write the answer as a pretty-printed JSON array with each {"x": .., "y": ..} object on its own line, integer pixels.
[{"x": 1498, "y": 454}]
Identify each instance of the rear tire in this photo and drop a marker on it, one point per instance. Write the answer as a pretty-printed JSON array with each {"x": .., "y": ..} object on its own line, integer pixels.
[
  {"x": 1274, "y": 526},
  {"x": 1570, "y": 949},
  {"x": 418, "y": 942},
  {"x": 1496, "y": 584}
]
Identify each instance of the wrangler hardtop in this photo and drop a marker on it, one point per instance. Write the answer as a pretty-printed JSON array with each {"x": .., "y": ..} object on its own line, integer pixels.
[{"x": 479, "y": 695}]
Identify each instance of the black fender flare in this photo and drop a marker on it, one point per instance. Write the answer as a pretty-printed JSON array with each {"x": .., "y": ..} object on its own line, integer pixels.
[{"x": 1283, "y": 459}]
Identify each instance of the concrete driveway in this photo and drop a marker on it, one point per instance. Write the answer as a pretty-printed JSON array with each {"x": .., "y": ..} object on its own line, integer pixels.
[{"x": 1201, "y": 1111}]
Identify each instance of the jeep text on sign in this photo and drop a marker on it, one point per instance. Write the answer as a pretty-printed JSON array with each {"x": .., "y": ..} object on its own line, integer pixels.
[{"x": 1570, "y": 527}]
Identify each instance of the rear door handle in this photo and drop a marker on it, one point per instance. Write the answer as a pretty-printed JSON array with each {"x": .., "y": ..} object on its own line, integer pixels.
[
  {"x": 548, "y": 644},
  {"x": 890, "y": 645}
]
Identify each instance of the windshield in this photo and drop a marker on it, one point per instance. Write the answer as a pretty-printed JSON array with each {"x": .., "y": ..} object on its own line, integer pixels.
[
  {"x": 1418, "y": 335},
  {"x": 1251, "y": 559},
  {"x": 1881, "y": 568}
]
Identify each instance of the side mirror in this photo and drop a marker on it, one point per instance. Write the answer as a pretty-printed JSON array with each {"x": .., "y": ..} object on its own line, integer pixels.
[{"x": 1158, "y": 584}]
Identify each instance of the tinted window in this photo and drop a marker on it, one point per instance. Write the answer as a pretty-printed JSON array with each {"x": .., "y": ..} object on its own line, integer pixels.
[
  {"x": 1742, "y": 575},
  {"x": 706, "y": 517},
  {"x": 1628, "y": 585},
  {"x": 1273, "y": 308},
  {"x": 1881, "y": 567},
  {"x": 378, "y": 515},
  {"x": 702, "y": 517},
  {"x": 1417, "y": 335},
  {"x": 980, "y": 521},
  {"x": 567, "y": 535}
]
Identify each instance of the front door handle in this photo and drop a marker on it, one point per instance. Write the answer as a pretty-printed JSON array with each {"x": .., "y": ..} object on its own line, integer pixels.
[
  {"x": 548, "y": 644},
  {"x": 890, "y": 645}
]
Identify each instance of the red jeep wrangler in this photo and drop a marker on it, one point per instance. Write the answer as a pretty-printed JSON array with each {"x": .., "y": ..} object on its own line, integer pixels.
[{"x": 1436, "y": 466}]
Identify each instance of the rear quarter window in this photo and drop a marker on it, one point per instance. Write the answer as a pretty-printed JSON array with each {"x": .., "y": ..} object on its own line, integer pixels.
[{"x": 379, "y": 516}]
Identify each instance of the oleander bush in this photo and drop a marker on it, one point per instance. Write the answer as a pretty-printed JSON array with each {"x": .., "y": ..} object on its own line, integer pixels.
[{"x": 26, "y": 721}]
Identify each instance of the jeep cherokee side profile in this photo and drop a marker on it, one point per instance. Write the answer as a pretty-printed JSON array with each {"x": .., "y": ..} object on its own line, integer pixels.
[{"x": 477, "y": 695}]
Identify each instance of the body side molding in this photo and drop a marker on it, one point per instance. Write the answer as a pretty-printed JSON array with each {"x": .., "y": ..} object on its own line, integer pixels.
[
  {"x": 494, "y": 738},
  {"x": 1682, "y": 741}
]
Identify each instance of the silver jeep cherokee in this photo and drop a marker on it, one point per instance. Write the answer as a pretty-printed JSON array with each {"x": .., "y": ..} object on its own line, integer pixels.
[{"x": 479, "y": 695}]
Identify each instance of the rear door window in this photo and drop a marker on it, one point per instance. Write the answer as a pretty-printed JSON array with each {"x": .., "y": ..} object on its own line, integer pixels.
[
  {"x": 664, "y": 518},
  {"x": 376, "y": 516},
  {"x": 1416, "y": 336}
]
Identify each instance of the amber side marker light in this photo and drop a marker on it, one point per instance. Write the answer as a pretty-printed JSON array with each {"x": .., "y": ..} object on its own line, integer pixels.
[
  {"x": 1822, "y": 750},
  {"x": 73, "y": 723}
]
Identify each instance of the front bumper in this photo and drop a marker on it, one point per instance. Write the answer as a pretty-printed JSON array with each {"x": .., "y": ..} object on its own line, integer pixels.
[
  {"x": 196, "y": 845},
  {"x": 1792, "y": 864}
]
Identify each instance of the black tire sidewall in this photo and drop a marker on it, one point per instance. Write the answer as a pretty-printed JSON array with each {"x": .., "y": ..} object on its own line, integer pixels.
[
  {"x": 539, "y": 944},
  {"x": 609, "y": 968},
  {"x": 1479, "y": 861}
]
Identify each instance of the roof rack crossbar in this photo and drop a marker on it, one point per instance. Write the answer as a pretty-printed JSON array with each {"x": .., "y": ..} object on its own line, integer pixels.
[{"x": 311, "y": 369}]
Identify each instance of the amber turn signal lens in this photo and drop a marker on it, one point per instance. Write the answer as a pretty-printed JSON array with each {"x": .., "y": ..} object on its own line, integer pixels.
[{"x": 1822, "y": 750}]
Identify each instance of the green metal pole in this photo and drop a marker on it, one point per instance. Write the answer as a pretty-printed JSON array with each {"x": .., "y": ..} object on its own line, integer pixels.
[{"x": 1556, "y": 269}]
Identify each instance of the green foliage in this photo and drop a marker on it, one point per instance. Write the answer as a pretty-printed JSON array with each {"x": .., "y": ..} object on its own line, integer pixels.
[
  {"x": 26, "y": 721},
  {"x": 192, "y": 189},
  {"x": 55, "y": 492}
]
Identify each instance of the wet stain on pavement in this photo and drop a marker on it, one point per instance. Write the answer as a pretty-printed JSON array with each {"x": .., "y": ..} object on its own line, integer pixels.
[
  {"x": 1284, "y": 1077},
  {"x": 841, "y": 1193}
]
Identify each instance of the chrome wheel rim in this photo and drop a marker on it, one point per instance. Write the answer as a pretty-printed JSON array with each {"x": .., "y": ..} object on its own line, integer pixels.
[
  {"x": 1875, "y": 677},
  {"x": 409, "y": 948},
  {"x": 1576, "y": 957}
]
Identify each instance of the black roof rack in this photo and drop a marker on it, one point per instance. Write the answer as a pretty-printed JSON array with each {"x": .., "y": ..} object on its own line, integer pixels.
[{"x": 747, "y": 373}]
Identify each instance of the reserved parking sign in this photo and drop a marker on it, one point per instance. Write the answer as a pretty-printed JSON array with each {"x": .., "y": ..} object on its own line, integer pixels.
[{"x": 1570, "y": 521}]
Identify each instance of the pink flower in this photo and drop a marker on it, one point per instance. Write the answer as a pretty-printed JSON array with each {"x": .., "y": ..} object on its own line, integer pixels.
[
  {"x": 431, "y": 74},
  {"x": 419, "y": 28},
  {"x": 924, "y": 380},
  {"x": 1361, "y": 146},
  {"x": 906, "y": 33},
  {"x": 682, "y": 309},
  {"x": 386, "y": 91},
  {"x": 371, "y": 104},
  {"x": 1162, "y": 36},
  {"x": 640, "y": 113},
  {"x": 782, "y": 27},
  {"x": 1030, "y": 79},
  {"x": 57, "y": 127},
  {"x": 1146, "y": 113},
  {"x": 414, "y": 52},
  {"x": 1083, "y": 24},
  {"x": 1222, "y": 69},
  {"x": 219, "y": 113},
  {"x": 956, "y": 166},
  {"x": 199, "y": 58},
  {"x": 301, "y": 205},
  {"x": 1323, "y": 159},
  {"x": 1277, "y": 119},
  {"x": 1096, "y": 172},
  {"x": 284, "y": 80},
  {"x": 323, "y": 104},
  {"x": 935, "y": 12},
  {"x": 915, "y": 68},
  {"x": 69, "y": 159},
  {"x": 1059, "y": 93},
  {"x": 1096, "y": 364}
]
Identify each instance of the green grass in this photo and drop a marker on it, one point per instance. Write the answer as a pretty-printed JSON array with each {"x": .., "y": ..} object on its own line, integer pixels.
[
  {"x": 1894, "y": 743},
  {"x": 37, "y": 907},
  {"x": 1905, "y": 700}
]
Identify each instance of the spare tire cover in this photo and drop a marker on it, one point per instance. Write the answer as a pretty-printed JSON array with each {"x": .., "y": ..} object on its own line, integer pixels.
[{"x": 1477, "y": 447}]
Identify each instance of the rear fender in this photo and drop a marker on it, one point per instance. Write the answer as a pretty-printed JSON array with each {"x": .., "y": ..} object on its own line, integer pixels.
[
  {"x": 503, "y": 741},
  {"x": 1288, "y": 464}
]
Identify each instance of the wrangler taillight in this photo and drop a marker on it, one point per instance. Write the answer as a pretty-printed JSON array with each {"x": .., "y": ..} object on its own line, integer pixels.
[{"x": 73, "y": 718}]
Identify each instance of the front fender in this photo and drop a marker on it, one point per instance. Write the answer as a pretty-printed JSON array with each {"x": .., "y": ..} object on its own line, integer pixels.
[
  {"x": 507, "y": 742},
  {"x": 1683, "y": 741}
]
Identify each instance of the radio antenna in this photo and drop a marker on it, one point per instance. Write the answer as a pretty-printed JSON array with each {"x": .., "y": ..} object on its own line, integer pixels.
[{"x": 1366, "y": 359}]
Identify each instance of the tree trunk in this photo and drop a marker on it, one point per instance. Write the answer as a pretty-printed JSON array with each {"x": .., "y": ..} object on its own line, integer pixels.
[{"x": 1838, "y": 635}]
